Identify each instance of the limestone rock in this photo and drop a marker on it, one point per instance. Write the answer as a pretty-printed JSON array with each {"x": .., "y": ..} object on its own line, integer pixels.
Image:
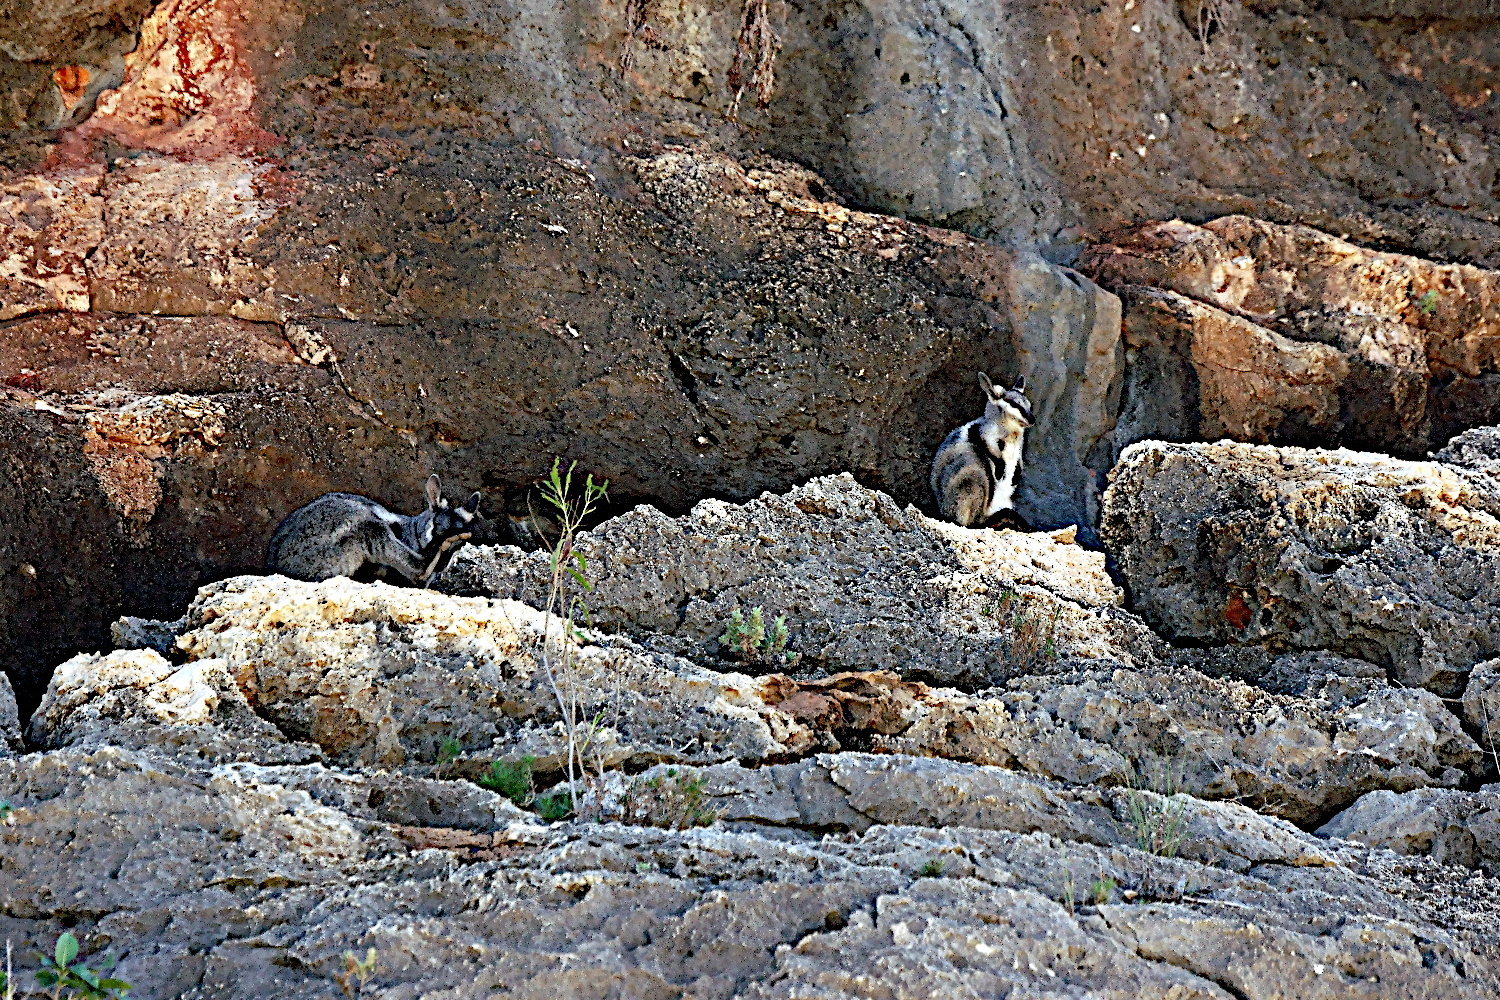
[
  {"x": 236, "y": 881},
  {"x": 1482, "y": 703},
  {"x": 1371, "y": 557},
  {"x": 863, "y": 585},
  {"x": 391, "y": 798},
  {"x": 1276, "y": 334},
  {"x": 1450, "y": 826},
  {"x": 10, "y": 721},
  {"x": 1477, "y": 449},
  {"x": 381, "y": 676},
  {"x": 135, "y": 698},
  {"x": 853, "y": 792}
]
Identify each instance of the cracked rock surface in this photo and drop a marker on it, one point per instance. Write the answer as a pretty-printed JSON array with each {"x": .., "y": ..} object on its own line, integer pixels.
[
  {"x": 289, "y": 772},
  {"x": 1393, "y": 562},
  {"x": 863, "y": 585}
]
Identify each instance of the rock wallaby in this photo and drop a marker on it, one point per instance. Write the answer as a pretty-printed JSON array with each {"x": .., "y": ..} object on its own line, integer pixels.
[
  {"x": 975, "y": 470},
  {"x": 338, "y": 533}
]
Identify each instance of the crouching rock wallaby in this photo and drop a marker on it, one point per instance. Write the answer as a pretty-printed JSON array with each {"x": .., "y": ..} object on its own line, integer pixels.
[
  {"x": 338, "y": 533},
  {"x": 975, "y": 471}
]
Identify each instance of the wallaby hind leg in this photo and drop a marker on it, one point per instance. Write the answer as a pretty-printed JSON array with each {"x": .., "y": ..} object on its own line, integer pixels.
[{"x": 388, "y": 550}]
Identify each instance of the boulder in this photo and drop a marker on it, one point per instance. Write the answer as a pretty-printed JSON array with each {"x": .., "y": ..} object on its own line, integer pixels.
[
  {"x": 383, "y": 677},
  {"x": 862, "y": 583},
  {"x": 1477, "y": 449},
  {"x": 1482, "y": 704},
  {"x": 1450, "y": 826},
  {"x": 137, "y": 699},
  {"x": 10, "y": 720},
  {"x": 1363, "y": 555},
  {"x": 1273, "y": 334}
]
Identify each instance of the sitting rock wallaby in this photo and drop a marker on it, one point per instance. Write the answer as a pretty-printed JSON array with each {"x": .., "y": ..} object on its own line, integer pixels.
[
  {"x": 338, "y": 533},
  {"x": 974, "y": 472}
]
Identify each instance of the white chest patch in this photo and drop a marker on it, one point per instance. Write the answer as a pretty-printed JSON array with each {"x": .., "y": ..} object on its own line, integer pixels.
[{"x": 1007, "y": 468}]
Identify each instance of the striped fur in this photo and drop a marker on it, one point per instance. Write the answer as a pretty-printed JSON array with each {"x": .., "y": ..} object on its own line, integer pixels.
[{"x": 975, "y": 471}]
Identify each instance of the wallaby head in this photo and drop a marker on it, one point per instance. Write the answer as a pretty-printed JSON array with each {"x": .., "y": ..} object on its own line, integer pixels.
[
  {"x": 1010, "y": 406},
  {"x": 440, "y": 520}
]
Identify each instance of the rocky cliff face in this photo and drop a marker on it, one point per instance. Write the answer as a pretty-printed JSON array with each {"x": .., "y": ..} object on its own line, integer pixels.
[
  {"x": 288, "y": 773},
  {"x": 385, "y": 241},
  {"x": 743, "y": 261}
]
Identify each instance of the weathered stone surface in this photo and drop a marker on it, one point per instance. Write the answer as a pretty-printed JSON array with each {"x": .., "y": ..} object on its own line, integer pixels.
[
  {"x": 1450, "y": 826},
  {"x": 137, "y": 699},
  {"x": 1196, "y": 372},
  {"x": 237, "y": 882},
  {"x": 1482, "y": 703},
  {"x": 356, "y": 388},
  {"x": 851, "y": 791},
  {"x": 47, "y": 226},
  {"x": 1393, "y": 562},
  {"x": 381, "y": 676},
  {"x": 10, "y": 720},
  {"x": 1286, "y": 335},
  {"x": 1477, "y": 449},
  {"x": 863, "y": 585},
  {"x": 414, "y": 670},
  {"x": 1298, "y": 757}
]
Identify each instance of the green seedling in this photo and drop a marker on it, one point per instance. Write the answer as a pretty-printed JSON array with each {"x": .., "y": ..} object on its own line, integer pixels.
[
  {"x": 932, "y": 869},
  {"x": 356, "y": 971},
  {"x": 555, "y": 805},
  {"x": 448, "y": 752},
  {"x": 59, "y": 973},
  {"x": 747, "y": 638},
  {"x": 1427, "y": 304}
]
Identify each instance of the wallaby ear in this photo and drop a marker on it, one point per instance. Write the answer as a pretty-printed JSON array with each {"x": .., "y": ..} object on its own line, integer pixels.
[
  {"x": 986, "y": 385},
  {"x": 472, "y": 504},
  {"x": 434, "y": 491},
  {"x": 1020, "y": 383}
]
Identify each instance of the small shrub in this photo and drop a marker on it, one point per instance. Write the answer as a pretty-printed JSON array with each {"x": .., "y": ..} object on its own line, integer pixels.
[
  {"x": 1158, "y": 821},
  {"x": 747, "y": 640},
  {"x": 352, "y": 979},
  {"x": 932, "y": 869},
  {"x": 1033, "y": 633},
  {"x": 513, "y": 780},
  {"x": 674, "y": 801},
  {"x": 58, "y": 973},
  {"x": 559, "y": 651},
  {"x": 1101, "y": 889},
  {"x": 554, "y": 805},
  {"x": 448, "y": 752}
]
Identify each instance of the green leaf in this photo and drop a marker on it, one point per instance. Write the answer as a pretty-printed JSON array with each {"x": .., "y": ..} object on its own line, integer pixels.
[
  {"x": 581, "y": 580},
  {"x": 67, "y": 949}
]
